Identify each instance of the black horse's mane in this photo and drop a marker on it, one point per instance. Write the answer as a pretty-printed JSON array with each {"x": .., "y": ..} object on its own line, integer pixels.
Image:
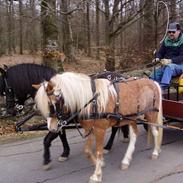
[{"x": 21, "y": 77}]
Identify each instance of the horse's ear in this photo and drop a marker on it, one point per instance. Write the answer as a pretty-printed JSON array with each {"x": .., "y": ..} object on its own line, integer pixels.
[
  {"x": 36, "y": 86},
  {"x": 2, "y": 71},
  {"x": 5, "y": 67},
  {"x": 49, "y": 87}
]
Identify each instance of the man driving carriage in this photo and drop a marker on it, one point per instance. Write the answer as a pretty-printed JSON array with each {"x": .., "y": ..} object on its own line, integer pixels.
[{"x": 170, "y": 55}]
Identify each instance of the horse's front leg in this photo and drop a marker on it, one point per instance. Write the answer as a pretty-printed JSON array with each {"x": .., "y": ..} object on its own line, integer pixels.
[
  {"x": 125, "y": 130},
  {"x": 88, "y": 148},
  {"x": 66, "y": 148},
  {"x": 47, "y": 143},
  {"x": 97, "y": 176},
  {"x": 131, "y": 147}
]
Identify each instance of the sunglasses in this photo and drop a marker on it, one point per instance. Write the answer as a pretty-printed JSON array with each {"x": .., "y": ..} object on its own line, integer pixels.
[{"x": 173, "y": 32}]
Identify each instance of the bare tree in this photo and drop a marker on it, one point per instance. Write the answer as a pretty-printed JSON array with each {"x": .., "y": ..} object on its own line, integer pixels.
[
  {"x": 51, "y": 55},
  {"x": 148, "y": 28},
  {"x": 10, "y": 25},
  {"x": 68, "y": 42},
  {"x": 33, "y": 32},
  {"x": 109, "y": 39},
  {"x": 2, "y": 47},
  {"x": 88, "y": 28},
  {"x": 97, "y": 29},
  {"x": 21, "y": 27},
  {"x": 173, "y": 14}
]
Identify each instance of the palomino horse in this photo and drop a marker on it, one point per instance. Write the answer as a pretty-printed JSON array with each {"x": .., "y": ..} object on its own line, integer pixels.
[{"x": 118, "y": 103}]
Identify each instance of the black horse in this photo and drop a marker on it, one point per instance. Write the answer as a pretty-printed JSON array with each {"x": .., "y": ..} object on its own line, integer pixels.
[{"x": 16, "y": 82}]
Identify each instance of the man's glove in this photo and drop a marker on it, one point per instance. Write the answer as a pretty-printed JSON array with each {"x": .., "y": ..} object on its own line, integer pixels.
[
  {"x": 155, "y": 60},
  {"x": 165, "y": 61}
]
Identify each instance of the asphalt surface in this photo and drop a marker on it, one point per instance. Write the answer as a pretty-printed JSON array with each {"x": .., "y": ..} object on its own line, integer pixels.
[{"x": 21, "y": 161}]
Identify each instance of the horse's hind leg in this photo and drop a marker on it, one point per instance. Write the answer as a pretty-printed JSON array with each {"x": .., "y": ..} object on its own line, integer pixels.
[
  {"x": 97, "y": 176},
  {"x": 157, "y": 149},
  {"x": 66, "y": 149},
  {"x": 125, "y": 130},
  {"x": 47, "y": 143},
  {"x": 109, "y": 144},
  {"x": 131, "y": 147},
  {"x": 156, "y": 132}
]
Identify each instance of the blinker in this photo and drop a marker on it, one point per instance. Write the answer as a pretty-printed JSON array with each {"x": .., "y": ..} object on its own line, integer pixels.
[{"x": 52, "y": 109}]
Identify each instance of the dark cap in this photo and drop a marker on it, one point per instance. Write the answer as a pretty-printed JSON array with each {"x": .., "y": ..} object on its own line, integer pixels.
[{"x": 174, "y": 26}]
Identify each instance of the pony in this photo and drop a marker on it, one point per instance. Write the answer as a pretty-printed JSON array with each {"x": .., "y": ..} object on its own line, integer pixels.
[
  {"x": 19, "y": 79},
  {"x": 98, "y": 105},
  {"x": 111, "y": 76}
]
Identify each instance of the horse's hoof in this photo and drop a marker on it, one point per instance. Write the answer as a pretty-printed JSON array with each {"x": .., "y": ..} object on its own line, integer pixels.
[
  {"x": 93, "y": 180},
  {"x": 106, "y": 151},
  {"x": 124, "y": 166},
  {"x": 154, "y": 156},
  {"x": 125, "y": 140},
  {"x": 103, "y": 164},
  {"x": 61, "y": 158},
  {"x": 47, "y": 166}
]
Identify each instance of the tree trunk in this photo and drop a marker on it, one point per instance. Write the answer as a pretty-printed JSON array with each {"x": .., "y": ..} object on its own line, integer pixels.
[
  {"x": 9, "y": 25},
  {"x": 2, "y": 47},
  {"x": 109, "y": 40},
  {"x": 21, "y": 27},
  {"x": 173, "y": 10},
  {"x": 50, "y": 35},
  {"x": 97, "y": 30},
  {"x": 148, "y": 29},
  {"x": 88, "y": 28},
  {"x": 68, "y": 43},
  {"x": 33, "y": 37}
]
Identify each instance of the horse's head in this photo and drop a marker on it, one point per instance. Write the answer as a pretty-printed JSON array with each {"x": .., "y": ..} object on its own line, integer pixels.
[
  {"x": 2, "y": 81},
  {"x": 50, "y": 105}
]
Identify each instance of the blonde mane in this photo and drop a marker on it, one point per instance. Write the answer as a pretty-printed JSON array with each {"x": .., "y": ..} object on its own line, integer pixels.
[
  {"x": 42, "y": 100},
  {"x": 76, "y": 91}
]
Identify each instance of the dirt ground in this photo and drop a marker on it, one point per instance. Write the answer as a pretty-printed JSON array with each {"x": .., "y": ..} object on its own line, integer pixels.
[{"x": 84, "y": 65}]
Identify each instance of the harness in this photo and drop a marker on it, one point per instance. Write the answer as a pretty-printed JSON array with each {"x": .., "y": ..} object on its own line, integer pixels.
[
  {"x": 10, "y": 98},
  {"x": 107, "y": 115}
]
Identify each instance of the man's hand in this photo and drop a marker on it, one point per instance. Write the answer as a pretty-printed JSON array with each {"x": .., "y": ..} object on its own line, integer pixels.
[
  {"x": 165, "y": 61},
  {"x": 155, "y": 60}
]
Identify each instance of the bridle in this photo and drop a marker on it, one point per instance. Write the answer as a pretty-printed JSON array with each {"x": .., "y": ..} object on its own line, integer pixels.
[{"x": 57, "y": 109}]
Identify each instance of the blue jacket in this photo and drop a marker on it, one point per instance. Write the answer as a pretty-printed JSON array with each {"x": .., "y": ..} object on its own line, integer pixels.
[{"x": 172, "y": 50}]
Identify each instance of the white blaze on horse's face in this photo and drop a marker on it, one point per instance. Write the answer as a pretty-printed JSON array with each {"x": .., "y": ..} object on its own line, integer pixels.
[{"x": 52, "y": 124}]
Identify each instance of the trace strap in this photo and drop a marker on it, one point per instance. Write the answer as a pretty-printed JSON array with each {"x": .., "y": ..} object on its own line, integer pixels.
[{"x": 62, "y": 123}]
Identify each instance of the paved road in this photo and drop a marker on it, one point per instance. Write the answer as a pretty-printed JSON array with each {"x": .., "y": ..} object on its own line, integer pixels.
[{"x": 21, "y": 162}]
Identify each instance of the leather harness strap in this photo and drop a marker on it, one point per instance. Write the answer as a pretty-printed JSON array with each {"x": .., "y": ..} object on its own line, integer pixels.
[
  {"x": 116, "y": 109},
  {"x": 94, "y": 101}
]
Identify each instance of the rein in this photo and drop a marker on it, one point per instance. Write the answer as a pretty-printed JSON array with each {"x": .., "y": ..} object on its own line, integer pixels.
[{"x": 63, "y": 123}]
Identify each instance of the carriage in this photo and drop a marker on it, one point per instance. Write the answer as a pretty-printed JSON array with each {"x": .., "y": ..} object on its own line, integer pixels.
[{"x": 172, "y": 106}]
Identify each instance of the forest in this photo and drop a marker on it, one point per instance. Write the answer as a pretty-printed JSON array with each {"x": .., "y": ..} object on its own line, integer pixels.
[{"x": 122, "y": 32}]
